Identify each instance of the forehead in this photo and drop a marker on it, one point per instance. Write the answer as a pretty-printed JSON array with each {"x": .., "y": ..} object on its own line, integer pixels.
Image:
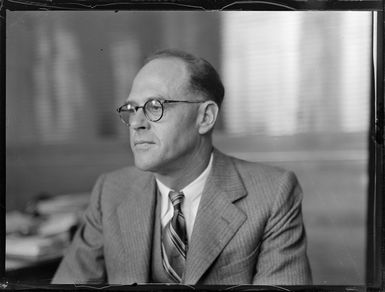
[{"x": 164, "y": 77}]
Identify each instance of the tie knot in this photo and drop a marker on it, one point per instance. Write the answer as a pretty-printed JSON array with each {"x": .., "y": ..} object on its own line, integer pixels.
[{"x": 176, "y": 198}]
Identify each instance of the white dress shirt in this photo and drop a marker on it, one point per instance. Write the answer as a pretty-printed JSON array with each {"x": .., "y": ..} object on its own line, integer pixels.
[{"x": 192, "y": 196}]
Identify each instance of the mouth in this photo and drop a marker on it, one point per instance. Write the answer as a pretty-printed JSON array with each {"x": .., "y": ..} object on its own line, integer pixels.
[{"x": 143, "y": 144}]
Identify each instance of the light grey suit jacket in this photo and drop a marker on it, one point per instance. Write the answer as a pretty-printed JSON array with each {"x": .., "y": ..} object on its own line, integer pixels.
[{"x": 248, "y": 229}]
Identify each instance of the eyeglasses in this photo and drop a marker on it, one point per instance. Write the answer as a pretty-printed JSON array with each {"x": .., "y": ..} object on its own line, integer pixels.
[{"x": 153, "y": 109}]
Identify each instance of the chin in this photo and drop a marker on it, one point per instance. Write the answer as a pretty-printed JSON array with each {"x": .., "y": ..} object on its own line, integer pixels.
[{"x": 144, "y": 164}]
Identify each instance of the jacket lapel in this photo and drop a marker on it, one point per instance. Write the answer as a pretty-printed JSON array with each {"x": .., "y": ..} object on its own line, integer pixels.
[
  {"x": 136, "y": 219},
  {"x": 218, "y": 219}
]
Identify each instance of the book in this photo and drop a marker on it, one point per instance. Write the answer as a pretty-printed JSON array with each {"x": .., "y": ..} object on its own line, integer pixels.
[{"x": 35, "y": 247}]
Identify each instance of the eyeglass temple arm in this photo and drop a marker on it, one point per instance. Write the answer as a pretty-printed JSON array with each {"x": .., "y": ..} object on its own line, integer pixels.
[{"x": 187, "y": 101}]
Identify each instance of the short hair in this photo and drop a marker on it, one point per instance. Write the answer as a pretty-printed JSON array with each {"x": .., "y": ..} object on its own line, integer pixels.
[{"x": 203, "y": 77}]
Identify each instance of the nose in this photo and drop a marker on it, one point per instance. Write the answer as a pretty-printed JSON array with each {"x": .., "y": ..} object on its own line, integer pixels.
[{"x": 138, "y": 120}]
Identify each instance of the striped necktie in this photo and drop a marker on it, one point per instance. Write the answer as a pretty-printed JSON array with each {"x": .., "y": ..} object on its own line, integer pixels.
[{"x": 174, "y": 240}]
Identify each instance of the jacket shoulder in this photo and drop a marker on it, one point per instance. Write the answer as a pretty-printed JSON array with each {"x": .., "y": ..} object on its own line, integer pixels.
[
  {"x": 267, "y": 181},
  {"x": 126, "y": 173},
  {"x": 116, "y": 186},
  {"x": 258, "y": 169}
]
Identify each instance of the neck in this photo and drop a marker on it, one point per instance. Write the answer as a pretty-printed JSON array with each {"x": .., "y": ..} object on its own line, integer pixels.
[{"x": 190, "y": 170}]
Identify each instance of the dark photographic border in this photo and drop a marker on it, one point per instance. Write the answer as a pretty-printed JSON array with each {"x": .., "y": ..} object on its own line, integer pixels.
[{"x": 375, "y": 265}]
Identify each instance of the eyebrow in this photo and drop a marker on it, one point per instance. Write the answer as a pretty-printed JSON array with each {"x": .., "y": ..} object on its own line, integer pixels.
[{"x": 147, "y": 99}]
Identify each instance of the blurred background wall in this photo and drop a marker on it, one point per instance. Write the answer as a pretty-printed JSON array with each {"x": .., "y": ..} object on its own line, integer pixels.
[{"x": 297, "y": 96}]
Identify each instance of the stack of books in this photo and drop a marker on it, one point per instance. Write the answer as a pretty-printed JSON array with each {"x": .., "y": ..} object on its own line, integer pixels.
[{"x": 45, "y": 234}]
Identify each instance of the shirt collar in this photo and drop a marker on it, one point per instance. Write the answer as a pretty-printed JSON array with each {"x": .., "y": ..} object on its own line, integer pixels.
[{"x": 191, "y": 191}]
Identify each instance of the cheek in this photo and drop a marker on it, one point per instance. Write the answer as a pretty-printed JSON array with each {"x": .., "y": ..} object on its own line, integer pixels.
[
  {"x": 178, "y": 139},
  {"x": 174, "y": 134}
]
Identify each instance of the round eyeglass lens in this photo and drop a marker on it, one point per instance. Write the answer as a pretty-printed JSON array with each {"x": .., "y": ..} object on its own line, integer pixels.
[
  {"x": 153, "y": 109},
  {"x": 126, "y": 113}
]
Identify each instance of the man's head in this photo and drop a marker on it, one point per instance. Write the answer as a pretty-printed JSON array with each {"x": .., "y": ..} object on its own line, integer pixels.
[
  {"x": 204, "y": 79},
  {"x": 190, "y": 92}
]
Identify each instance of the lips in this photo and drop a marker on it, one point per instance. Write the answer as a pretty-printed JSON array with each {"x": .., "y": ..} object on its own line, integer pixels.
[
  {"x": 142, "y": 145},
  {"x": 142, "y": 142}
]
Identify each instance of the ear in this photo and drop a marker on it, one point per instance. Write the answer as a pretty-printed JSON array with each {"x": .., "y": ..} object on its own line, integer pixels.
[{"x": 208, "y": 113}]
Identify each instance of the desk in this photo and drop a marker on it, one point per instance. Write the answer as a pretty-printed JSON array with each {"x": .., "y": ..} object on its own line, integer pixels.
[
  {"x": 34, "y": 253},
  {"x": 27, "y": 271}
]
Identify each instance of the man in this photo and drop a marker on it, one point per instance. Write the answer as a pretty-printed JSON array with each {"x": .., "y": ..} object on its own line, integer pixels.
[{"x": 187, "y": 213}]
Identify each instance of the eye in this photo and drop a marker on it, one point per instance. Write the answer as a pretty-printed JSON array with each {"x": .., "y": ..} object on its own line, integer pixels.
[
  {"x": 129, "y": 108},
  {"x": 154, "y": 106}
]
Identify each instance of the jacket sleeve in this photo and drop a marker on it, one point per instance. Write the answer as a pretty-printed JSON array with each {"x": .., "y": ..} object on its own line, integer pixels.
[
  {"x": 283, "y": 259},
  {"x": 83, "y": 261}
]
